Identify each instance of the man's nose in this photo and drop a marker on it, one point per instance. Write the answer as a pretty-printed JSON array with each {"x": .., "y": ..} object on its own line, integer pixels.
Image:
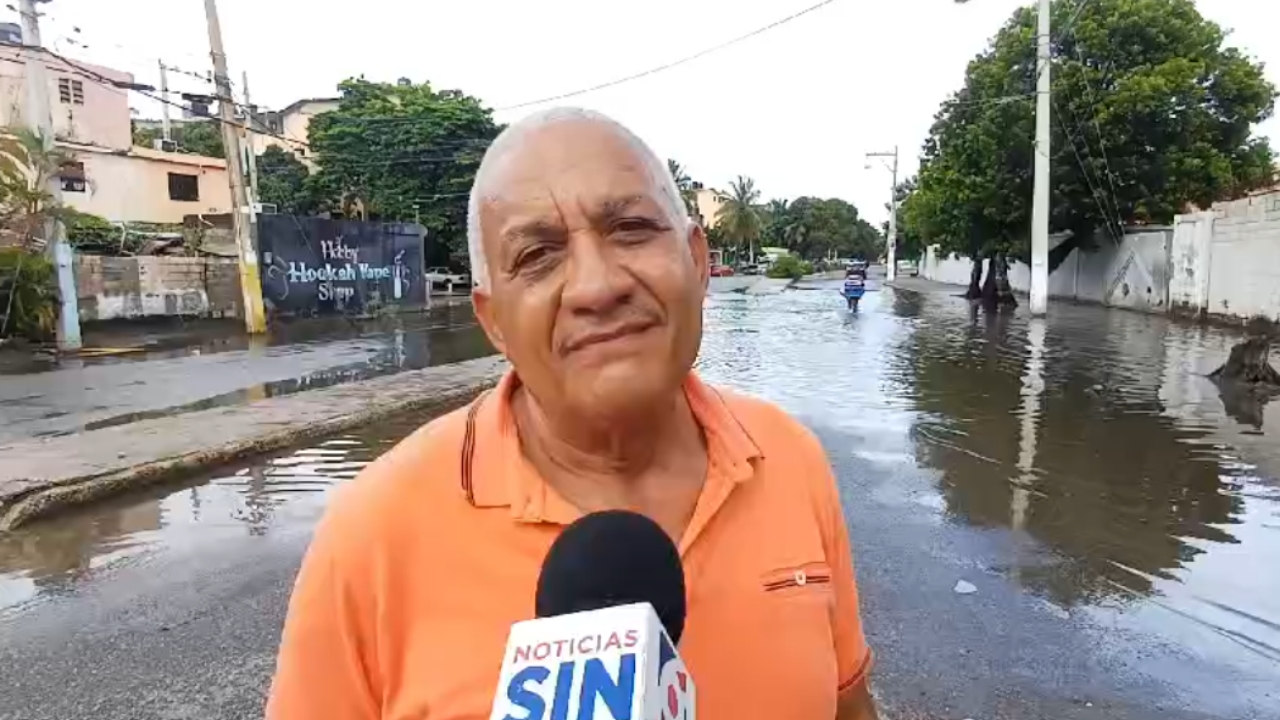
[{"x": 596, "y": 280}]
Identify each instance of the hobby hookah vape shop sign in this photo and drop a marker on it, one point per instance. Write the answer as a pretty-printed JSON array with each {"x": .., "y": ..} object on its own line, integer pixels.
[{"x": 317, "y": 265}]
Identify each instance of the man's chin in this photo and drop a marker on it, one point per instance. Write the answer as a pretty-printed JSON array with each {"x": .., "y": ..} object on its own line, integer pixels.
[{"x": 619, "y": 388}]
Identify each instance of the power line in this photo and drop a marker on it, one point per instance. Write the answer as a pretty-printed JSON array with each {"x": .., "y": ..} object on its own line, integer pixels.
[{"x": 672, "y": 64}]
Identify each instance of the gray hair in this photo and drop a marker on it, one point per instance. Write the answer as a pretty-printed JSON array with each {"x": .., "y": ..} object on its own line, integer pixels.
[{"x": 512, "y": 137}]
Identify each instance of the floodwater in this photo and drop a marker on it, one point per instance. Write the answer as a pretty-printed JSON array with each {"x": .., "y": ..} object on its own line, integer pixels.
[
  {"x": 170, "y": 369},
  {"x": 1106, "y": 480}
]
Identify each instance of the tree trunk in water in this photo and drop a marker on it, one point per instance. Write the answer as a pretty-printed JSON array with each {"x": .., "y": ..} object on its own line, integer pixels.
[
  {"x": 1004, "y": 292},
  {"x": 975, "y": 280},
  {"x": 989, "y": 294},
  {"x": 1249, "y": 362}
]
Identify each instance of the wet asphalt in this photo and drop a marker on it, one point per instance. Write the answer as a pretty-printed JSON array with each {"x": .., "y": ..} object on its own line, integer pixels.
[{"x": 1116, "y": 522}]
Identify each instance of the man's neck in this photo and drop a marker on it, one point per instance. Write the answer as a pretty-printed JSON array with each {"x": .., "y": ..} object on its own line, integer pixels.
[{"x": 653, "y": 461}]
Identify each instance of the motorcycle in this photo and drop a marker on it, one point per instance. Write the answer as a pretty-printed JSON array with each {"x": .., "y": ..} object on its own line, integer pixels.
[{"x": 854, "y": 288}]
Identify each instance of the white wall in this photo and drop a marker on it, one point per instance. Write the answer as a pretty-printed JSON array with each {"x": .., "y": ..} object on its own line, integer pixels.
[
  {"x": 1189, "y": 262},
  {"x": 1132, "y": 274},
  {"x": 1244, "y": 258}
]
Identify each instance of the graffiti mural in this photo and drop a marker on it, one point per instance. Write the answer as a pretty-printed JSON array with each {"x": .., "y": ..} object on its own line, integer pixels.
[{"x": 318, "y": 266}]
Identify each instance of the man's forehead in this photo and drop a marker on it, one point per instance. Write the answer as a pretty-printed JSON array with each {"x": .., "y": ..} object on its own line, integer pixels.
[{"x": 588, "y": 160}]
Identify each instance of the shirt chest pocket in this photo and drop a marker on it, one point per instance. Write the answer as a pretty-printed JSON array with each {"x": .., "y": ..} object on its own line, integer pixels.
[{"x": 797, "y": 605}]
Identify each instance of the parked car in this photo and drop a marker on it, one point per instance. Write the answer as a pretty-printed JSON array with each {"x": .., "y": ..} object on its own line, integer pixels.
[
  {"x": 721, "y": 271},
  {"x": 443, "y": 277}
]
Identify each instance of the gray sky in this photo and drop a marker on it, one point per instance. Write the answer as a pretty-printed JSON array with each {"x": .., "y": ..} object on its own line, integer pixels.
[{"x": 795, "y": 108}]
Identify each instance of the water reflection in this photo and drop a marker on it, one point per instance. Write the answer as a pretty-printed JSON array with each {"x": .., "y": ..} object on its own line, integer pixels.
[{"x": 282, "y": 493}]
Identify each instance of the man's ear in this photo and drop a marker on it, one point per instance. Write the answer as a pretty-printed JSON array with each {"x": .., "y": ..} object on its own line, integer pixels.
[
  {"x": 482, "y": 304},
  {"x": 701, "y": 253}
]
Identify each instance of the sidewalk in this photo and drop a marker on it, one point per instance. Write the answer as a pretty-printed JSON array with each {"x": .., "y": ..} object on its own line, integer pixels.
[{"x": 39, "y": 476}]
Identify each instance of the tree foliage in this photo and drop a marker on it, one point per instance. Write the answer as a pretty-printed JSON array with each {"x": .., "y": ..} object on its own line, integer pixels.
[
  {"x": 1152, "y": 113},
  {"x": 203, "y": 137},
  {"x": 26, "y": 167},
  {"x": 400, "y": 152},
  {"x": 738, "y": 217},
  {"x": 282, "y": 181},
  {"x": 687, "y": 187}
]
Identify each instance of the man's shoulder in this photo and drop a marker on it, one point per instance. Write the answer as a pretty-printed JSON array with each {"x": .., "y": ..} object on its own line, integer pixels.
[
  {"x": 769, "y": 426},
  {"x": 414, "y": 474}
]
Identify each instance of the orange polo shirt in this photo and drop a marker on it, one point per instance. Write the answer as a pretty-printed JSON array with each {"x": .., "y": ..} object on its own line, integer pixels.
[{"x": 418, "y": 569}]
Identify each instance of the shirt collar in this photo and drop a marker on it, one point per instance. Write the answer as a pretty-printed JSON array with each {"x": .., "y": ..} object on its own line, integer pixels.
[{"x": 500, "y": 476}]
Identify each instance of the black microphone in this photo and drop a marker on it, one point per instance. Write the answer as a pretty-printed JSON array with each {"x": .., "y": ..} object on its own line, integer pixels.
[
  {"x": 610, "y": 558},
  {"x": 610, "y": 609}
]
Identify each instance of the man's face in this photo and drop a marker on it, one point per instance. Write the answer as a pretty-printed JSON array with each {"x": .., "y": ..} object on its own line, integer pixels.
[{"x": 596, "y": 289}]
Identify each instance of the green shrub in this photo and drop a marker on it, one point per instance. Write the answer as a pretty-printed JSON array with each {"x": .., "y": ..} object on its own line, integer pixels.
[
  {"x": 28, "y": 295},
  {"x": 789, "y": 267},
  {"x": 91, "y": 234}
]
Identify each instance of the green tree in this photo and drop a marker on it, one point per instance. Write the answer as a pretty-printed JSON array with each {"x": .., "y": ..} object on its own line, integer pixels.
[
  {"x": 910, "y": 246},
  {"x": 282, "y": 181},
  {"x": 738, "y": 217},
  {"x": 1152, "y": 112},
  {"x": 687, "y": 187},
  {"x": 401, "y": 152},
  {"x": 776, "y": 223},
  {"x": 820, "y": 228},
  {"x": 203, "y": 137}
]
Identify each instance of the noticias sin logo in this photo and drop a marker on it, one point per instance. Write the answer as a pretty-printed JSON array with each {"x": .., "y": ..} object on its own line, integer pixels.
[{"x": 529, "y": 690}]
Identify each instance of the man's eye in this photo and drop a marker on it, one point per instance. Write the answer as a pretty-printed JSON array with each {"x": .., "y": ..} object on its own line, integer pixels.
[
  {"x": 635, "y": 226},
  {"x": 532, "y": 256}
]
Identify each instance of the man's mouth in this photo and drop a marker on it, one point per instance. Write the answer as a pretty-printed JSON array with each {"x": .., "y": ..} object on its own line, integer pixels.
[{"x": 604, "y": 336}]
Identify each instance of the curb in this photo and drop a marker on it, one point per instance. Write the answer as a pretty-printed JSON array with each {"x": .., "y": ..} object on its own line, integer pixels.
[{"x": 65, "y": 493}]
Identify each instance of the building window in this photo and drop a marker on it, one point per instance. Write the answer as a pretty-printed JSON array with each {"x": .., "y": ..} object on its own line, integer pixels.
[
  {"x": 70, "y": 92},
  {"x": 184, "y": 187},
  {"x": 72, "y": 176}
]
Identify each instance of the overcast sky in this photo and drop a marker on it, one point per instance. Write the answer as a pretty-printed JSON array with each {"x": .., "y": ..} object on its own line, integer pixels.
[{"x": 795, "y": 108}]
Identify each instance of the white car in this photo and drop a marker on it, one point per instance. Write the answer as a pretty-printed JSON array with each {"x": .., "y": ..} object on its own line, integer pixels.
[{"x": 442, "y": 276}]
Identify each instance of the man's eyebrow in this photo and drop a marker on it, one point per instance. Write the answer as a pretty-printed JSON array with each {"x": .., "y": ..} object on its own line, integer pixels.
[
  {"x": 539, "y": 229},
  {"x": 610, "y": 209}
]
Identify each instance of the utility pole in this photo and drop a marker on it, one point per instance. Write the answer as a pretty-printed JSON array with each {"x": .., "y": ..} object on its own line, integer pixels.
[
  {"x": 251, "y": 154},
  {"x": 891, "y": 242},
  {"x": 1040, "y": 195},
  {"x": 40, "y": 119},
  {"x": 167, "y": 128},
  {"x": 242, "y": 218}
]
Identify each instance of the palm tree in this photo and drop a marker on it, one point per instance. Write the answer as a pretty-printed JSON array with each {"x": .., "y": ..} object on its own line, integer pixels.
[
  {"x": 685, "y": 184},
  {"x": 738, "y": 215}
]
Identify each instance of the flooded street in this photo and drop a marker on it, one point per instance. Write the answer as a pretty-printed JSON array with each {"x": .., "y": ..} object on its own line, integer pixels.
[
  {"x": 1057, "y": 518},
  {"x": 137, "y": 375}
]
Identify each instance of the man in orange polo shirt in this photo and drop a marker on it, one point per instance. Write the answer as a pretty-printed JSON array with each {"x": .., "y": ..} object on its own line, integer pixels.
[{"x": 590, "y": 279}]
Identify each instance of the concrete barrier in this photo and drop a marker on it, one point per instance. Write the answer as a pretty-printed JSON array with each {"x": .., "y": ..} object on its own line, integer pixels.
[{"x": 41, "y": 476}]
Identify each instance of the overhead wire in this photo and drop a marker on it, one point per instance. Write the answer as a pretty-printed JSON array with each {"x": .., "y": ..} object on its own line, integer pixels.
[{"x": 668, "y": 65}]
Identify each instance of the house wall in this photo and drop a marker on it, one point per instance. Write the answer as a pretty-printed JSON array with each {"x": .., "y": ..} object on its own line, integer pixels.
[
  {"x": 1244, "y": 258},
  {"x": 102, "y": 120},
  {"x": 134, "y": 186},
  {"x": 295, "y": 122},
  {"x": 709, "y": 203},
  {"x": 147, "y": 286}
]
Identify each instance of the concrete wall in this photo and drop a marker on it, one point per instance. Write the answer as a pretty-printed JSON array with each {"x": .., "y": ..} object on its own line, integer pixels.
[
  {"x": 143, "y": 286},
  {"x": 1133, "y": 274},
  {"x": 102, "y": 119},
  {"x": 133, "y": 186},
  {"x": 1189, "y": 256},
  {"x": 1244, "y": 258},
  {"x": 1223, "y": 262}
]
